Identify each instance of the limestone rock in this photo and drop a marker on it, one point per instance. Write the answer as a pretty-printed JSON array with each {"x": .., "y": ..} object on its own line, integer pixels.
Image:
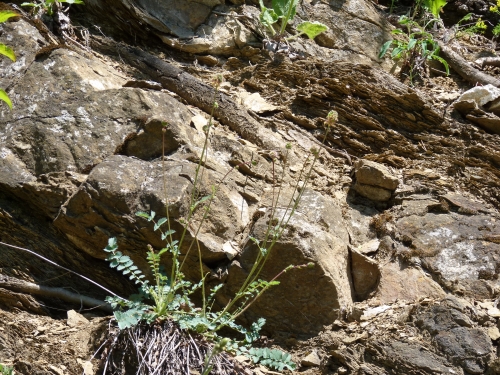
[
  {"x": 449, "y": 327},
  {"x": 75, "y": 319},
  {"x": 374, "y": 181},
  {"x": 312, "y": 359},
  {"x": 191, "y": 26},
  {"x": 375, "y": 174},
  {"x": 374, "y": 193},
  {"x": 481, "y": 95},
  {"x": 320, "y": 291},
  {"x": 374, "y": 311},
  {"x": 406, "y": 357},
  {"x": 365, "y": 274},
  {"x": 369, "y": 247},
  {"x": 199, "y": 122},
  {"x": 453, "y": 248},
  {"x": 118, "y": 182},
  {"x": 480, "y": 105},
  {"x": 400, "y": 282},
  {"x": 494, "y": 333},
  {"x": 256, "y": 103},
  {"x": 357, "y": 220}
]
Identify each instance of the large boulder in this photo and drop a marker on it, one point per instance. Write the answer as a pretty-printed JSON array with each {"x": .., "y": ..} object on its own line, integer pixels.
[{"x": 307, "y": 298}]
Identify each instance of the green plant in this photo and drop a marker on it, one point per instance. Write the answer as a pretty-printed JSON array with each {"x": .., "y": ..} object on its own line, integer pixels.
[
  {"x": 413, "y": 49},
  {"x": 434, "y": 6},
  {"x": 6, "y": 370},
  {"x": 6, "y": 51},
  {"x": 464, "y": 27},
  {"x": 285, "y": 10},
  {"x": 393, "y": 2},
  {"x": 167, "y": 296},
  {"x": 273, "y": 358},
  {"x": 47, "y": 6},
  {"x": 495, "y": 9}
]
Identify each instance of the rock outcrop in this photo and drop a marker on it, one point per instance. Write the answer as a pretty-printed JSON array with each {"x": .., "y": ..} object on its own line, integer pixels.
[{"x": 399, "y": 214}]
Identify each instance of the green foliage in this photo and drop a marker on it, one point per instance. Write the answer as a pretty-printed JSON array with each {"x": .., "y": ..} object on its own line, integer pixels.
[
  {"x": 434, "y": 6},
  {"x": 496, "y": 30},
  {"x": 47, "y": 6},
  {"x": 6, "y": 14},
  {"x": 6, "y": 370},
  {"x": 413, "y": 49},
  {"x": 393, "y": 2},
  {"x": 272, "y": 358},
  {"x": 495, "y": 9},
  {"x": 5, "y": 98},
  {"x": 284, "y": 11},
  {"x": 311, "y": 29},
  {"x": 6, "y": 51},
  {"x": 478, "y": 27}
]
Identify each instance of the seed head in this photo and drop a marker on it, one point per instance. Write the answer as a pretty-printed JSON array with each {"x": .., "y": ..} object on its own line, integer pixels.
[
  {"x": 217, "y": 80},
  {"x": 331, "y": 118}
]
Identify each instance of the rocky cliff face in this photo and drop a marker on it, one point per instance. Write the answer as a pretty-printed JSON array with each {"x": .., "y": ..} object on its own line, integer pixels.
[{"x": 400, "y": 216}]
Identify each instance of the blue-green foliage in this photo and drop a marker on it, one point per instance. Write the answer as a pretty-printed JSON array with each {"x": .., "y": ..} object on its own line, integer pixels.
[{"x": 272, "y": 358}]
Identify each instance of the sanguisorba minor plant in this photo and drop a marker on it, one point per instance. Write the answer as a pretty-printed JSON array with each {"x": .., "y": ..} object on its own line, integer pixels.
[
  {"x": 7, "y": 51},
  {"x": 164, "y": 306}
]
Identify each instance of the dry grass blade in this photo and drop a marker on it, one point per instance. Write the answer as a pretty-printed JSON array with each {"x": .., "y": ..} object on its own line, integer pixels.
[{"x": 162, "y": 348}]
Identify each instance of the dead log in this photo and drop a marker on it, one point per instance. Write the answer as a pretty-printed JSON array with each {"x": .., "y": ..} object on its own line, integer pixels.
[
  {"x": 464, "y": 69},
  {"x": 488, "y": 61},
  {"x": 21, "y": 286}
]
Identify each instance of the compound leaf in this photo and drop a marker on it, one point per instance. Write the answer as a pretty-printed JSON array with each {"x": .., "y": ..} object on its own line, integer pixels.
[
  {"x": 160, "y": 222},
  {"x": 129, "y": 318},
  {"x": 142, "y": 214}
]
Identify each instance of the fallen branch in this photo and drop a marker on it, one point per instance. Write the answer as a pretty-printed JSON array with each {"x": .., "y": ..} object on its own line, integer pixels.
[
  {"x": 488, "y": 61},
  {"x": 57, "y": 265},
  {"x": 464, "y": 69},
  {"x": 21, "y": 286}
]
